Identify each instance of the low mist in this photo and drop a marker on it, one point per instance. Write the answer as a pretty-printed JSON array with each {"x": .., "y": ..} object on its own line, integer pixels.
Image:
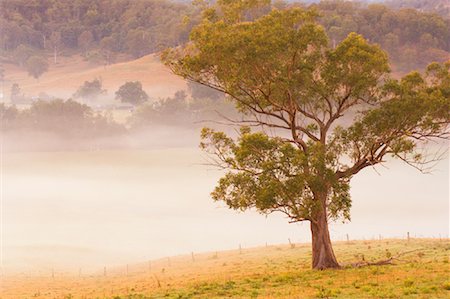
[{"x": 87, "y": 209}]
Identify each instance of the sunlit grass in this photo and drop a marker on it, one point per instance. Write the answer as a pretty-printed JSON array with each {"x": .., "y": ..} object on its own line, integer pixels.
[{"x": 266, "y": 272}]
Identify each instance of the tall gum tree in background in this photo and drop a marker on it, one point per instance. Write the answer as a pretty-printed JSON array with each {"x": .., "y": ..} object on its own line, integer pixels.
[{"x": 324, "y": 113}]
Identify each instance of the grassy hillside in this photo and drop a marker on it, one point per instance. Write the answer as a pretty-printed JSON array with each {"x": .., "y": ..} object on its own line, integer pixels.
[
  {"x": 64, "y": 78},
  {"x": 421, "y": 270}
]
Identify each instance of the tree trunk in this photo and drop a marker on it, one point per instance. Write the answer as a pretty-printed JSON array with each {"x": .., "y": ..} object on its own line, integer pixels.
[{"x": 322, "y": 251}]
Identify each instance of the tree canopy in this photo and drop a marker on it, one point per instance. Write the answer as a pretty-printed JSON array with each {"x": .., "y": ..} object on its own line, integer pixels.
[
  {"x": 36, "y": 66},
  {"x": 90, "y": 90},
  {"x": 132, "y": 92}
]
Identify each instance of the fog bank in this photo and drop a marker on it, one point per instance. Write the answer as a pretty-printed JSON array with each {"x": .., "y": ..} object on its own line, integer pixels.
[{"x": 87, "y": 209}]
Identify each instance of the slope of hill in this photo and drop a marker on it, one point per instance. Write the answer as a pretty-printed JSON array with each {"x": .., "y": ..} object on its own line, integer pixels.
[
  {"x": 63, "y": 79},
  {"x": 420, "y": 269}
]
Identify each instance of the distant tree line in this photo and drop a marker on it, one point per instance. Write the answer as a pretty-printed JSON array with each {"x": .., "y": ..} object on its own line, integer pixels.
[
  {"x": 104, "y": 28},
  {"x": 66, "y": 119},
  {"x": 412, "y": 38},
  {"x": 440, "y": 7},
  {"x": 135, "y": 27},
  {"x": 201, "y": 104}
]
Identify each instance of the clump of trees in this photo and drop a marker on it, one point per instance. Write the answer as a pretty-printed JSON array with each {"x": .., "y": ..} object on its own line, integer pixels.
[
  {"x": 67, "y": 119},
  {"x": 182, "y": 110},
  {"x": 36, "y": 66},
  {"x": 171, "y": 111},
  {"x": 90, "y": 90},
  {"x": 132, "y": 92},
  {"x": 288, "y": 78}
]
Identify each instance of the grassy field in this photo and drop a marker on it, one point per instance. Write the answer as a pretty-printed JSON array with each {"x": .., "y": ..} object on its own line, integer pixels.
[
  {"x": 275, "y": 271},
  {"x": 69, "y": 73}
]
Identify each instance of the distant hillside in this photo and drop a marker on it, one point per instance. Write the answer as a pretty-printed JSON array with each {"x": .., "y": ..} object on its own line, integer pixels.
[
  {"x": 63, "y": 79},
  {"x": 77, "y": 38},
  {"x": 93, "y": 27}
]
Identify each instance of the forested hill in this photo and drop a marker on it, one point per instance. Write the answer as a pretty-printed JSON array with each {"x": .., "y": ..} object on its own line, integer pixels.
[
  {"x": 441, "y": 7},
  {"x": 411, "y": 37},
  {"x": 136, "y": 27},
  {"x": 102, "y": 29}
]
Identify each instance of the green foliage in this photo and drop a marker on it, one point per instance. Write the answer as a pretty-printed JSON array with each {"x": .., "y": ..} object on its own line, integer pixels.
[
  {"x": 418, "y": 108},
  {"x": 271, "y": 175},
  {"x": 284, "y": 75},
  {"x": 132, "y": 92}
]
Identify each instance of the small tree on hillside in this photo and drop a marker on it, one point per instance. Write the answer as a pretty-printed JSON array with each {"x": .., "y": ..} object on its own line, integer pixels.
[
  {"x": 36, "y": 66},
  {"x": 284, "y": 76},
  {"x": 90, "y": 90},
  {"x": 132, "y": 92}
]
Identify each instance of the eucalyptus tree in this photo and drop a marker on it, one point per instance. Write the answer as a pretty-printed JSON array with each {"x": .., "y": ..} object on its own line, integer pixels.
[{"x": 323, "y": 113}]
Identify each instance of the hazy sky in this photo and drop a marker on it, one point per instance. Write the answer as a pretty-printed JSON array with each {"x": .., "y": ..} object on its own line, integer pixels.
[{"x": 89, "y": 209}]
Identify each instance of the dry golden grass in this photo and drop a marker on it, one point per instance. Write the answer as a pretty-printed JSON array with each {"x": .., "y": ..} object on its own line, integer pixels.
[
  {"x": 64, "y": 78},
  {"x": 265, "y": 272}
]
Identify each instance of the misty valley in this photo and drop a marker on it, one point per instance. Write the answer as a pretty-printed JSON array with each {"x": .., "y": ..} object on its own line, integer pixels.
[{"x": 224, "y": 149}]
